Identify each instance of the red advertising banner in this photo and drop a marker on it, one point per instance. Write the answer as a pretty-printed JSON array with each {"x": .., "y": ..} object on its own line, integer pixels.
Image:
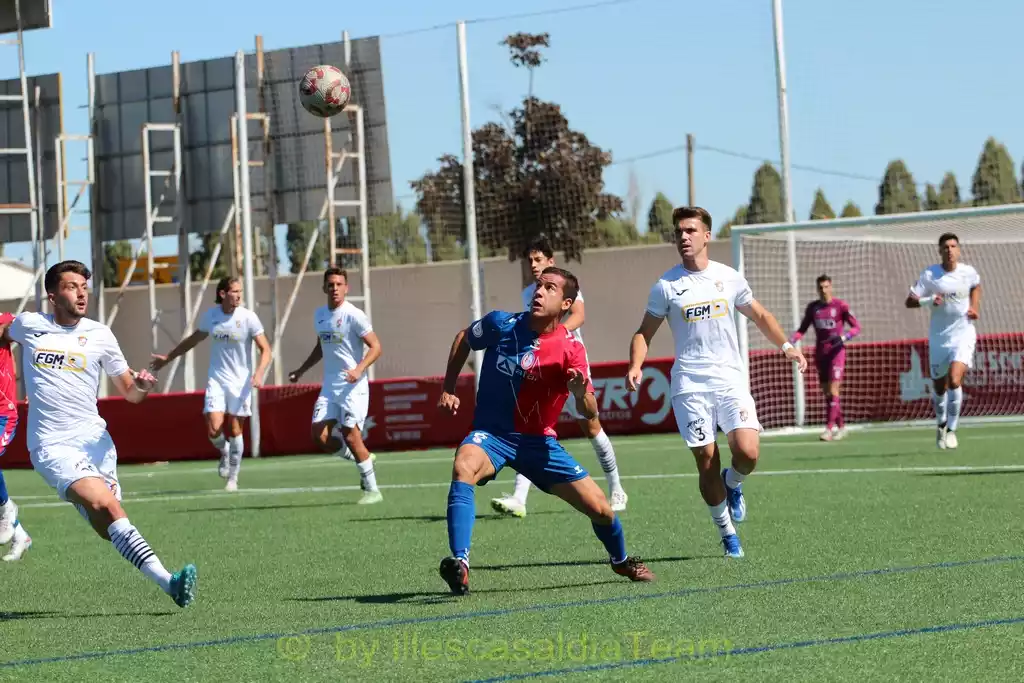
[{"x": 884, "y": 382}]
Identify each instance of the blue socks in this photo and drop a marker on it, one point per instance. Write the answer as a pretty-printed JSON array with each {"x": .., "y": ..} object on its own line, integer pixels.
[
  {"x": 3, "y": 490},
  {"x": 461, "y": 515},
  {"x": 613, "y": 538}
]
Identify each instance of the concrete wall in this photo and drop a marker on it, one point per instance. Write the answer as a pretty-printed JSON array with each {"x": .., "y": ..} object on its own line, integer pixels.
[{"x": 417, "y": 310}]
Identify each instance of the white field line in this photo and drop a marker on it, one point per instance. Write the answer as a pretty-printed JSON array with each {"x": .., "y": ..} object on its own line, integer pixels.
[{"x": 220, "y": 493}]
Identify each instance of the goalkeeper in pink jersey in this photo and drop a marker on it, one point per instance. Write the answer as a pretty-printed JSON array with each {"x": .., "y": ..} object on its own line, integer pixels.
[{"x": 828, "y": 315}]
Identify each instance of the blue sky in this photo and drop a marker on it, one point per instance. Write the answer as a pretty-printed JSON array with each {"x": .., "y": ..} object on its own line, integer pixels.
[{"x": 868, "y": 81}]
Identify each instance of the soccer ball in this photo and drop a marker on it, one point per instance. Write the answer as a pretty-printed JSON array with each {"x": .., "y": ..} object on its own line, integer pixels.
[{"x": 324, "y": 91}]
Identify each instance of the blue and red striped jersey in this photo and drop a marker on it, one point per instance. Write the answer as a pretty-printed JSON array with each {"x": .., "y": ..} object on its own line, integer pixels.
[{"x": 523, "y": 377}]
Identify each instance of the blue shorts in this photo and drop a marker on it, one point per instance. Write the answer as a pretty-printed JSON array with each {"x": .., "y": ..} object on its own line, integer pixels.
[
  {"x": 8, "y": 426},
  {"x": 541, "y": 459}
]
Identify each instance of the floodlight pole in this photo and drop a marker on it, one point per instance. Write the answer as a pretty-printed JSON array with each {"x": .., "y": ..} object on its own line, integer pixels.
[
  {"x": 799, "y": 404},
  {"x": 246, "y": 210},
  {"x": 469, "y": 191}
]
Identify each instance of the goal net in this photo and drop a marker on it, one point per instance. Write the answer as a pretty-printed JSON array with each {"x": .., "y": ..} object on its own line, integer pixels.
[{"x": 872, "y": 262}]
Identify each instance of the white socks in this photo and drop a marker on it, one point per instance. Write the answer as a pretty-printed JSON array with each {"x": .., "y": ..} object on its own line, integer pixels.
[
  {"x": 236, "y": 445},
  {"x": 522, "y": 488},
  {"x": 733, "y": 478},
  {"x": 221, "y": 444},
  {"x": 366, "y": 473},
  {"x": 133, "y": 547},
  {"x": 954, "y": 400},
  {"x": 720, "y": 516},
  {"x": 939, "y": 401},
  {"x": 606, "y": 457}
]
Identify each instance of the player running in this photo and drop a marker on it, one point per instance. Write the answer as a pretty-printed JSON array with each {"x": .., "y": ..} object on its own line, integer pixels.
[
  {"x": 342, "y": 331},
  {"x": 953, "y": 291},
  {"x": 531, "y": 364},
  {"x": 62, "y": 356},
  {"x": 11, "y": 530},
  {"x": 231, "y": 380},
  {"x": 539, "y": 255},
  {"x": 709, "y": 383},
  {"x": 828, "y": 315}
]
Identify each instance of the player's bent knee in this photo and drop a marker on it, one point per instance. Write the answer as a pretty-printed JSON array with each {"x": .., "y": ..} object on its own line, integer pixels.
[
  {"x": 471, "y": 465},
  {"x": 353, "y": 437},
  {"x": 745, "y": 443},
  {"x": 705, "y": 457}
]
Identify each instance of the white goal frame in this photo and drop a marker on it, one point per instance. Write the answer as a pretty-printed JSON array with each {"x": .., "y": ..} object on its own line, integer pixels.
[{"x": 791, "y": 319}]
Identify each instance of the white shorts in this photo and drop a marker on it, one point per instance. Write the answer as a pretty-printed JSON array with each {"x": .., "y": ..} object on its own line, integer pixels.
[
  {"x": 941, "y": 357},
  {"x": 699, "y": 414},
  {"x": 222, "y": 398},
  {"x": 62, "y": 464},
  {"x": 348, "y": 409}
]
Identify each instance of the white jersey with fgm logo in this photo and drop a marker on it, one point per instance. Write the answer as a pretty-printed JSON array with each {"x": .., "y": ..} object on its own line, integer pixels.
[
  {"x": 950, "y": 326},
  {"x": 61, "y": 366},
  {"x": 528, "y": 302},
  {"x": 700, "y": 310},
  {"x": 341, "y": 333},
  {"x": 231, "y": 338}
]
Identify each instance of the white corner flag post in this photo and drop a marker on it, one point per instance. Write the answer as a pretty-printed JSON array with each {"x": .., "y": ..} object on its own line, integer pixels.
[
  {"x": 247, "y": 239},
  {"x": 469, "y": 191},
  {"x": 787, "y": 201}
]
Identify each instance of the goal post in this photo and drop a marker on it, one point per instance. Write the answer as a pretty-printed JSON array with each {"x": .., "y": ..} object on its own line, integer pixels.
[{"x": 872, "y": 262}]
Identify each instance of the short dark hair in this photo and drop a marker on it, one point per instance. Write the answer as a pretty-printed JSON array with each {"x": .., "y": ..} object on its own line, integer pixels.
[
  {"x": 684, "y": 212},
  {"x": 822, "y": 278},
  {"x": 540, "y": 243},
  {"x": 334, "y": 270},
  {"x": 224, "y": 285},
  {"x": 948, "y": 236},
  {"x": 52, "y": 278},
  {"x": 571, "y": 288}
]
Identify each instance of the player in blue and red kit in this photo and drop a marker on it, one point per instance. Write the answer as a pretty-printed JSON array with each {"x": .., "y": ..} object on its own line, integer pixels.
[
  {"x": 11, "y": 530},
  {"x": 531, "y": 363},
  {"x": 828, "y": 316}
]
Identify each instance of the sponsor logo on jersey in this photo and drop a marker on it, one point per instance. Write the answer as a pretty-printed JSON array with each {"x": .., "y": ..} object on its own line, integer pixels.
[
  {"x": 514, "y": 367},
  {"x": 705, "y": 310},
  {"x": 331, "y": 337},
  {"x": 51, "y": 359}
]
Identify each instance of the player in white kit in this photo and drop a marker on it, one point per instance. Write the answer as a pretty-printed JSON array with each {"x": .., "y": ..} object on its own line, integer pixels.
[
  {"x": 710, "y": 389},
  {"x": 63, "y": 354},
  {"x": 540, "y": 255},
  {"x": 231, "y": 380},
  {"x": 953, "y": 292},
  {"x": 348, "y": 345}
]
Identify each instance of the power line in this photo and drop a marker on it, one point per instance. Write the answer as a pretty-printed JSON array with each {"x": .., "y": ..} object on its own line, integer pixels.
[{"x": 505, "y": 17}]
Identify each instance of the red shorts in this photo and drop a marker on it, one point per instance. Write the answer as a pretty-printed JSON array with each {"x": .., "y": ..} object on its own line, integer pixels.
[{"x": 8, "y": 425}]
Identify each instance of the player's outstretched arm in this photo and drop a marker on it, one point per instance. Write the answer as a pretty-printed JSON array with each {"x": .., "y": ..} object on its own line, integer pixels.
[
  {"x": 314, "y": 357},
  {"x": 134, "y": 386},
  {"x": 183, "y": 347},
  {"x": 638, "y": 348},
  {"x": 771, "y": 329}
]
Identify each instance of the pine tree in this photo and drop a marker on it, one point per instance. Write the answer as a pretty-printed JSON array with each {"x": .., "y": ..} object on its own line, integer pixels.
[
  {"x": 738, "y": 218},
  {"x": 995, "y": 179},
  {"x": 947, "y": 196},
  {"x": 851, "y": 210},
  {"x": 659, "y": 218},
  {"x": 296, "y": 241},
  {"x": 897, "y": 193},
  {"x": 766, "y": 197},
  {"x": 821, "y": 209}
]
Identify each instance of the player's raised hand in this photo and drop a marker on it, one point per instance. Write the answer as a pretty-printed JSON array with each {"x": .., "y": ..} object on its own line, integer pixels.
[
  {"x": 797, "y": 356},
  {"x": 448, "y": 403},
  {"x": 577, "y": 382},
  {"x": 158, "y": 362},
  {"x": 634, "y": 378}
]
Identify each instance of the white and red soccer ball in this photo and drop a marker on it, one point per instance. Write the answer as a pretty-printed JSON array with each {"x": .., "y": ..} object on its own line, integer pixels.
[{"x": 324, "y": 91}]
